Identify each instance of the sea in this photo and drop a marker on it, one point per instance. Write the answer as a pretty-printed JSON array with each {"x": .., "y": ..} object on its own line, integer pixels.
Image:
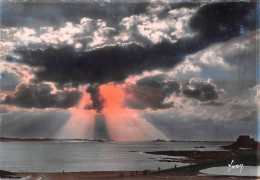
[{"x": 76, "y": 156}]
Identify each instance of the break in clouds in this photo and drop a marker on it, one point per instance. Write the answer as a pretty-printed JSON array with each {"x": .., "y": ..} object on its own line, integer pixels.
[{"x": 192, "y": 62}]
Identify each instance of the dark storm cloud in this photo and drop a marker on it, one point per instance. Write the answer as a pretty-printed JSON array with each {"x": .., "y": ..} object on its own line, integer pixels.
[
  {"x": 224, "y": 20},
  {"x": 200, "y": 90},
  {"x": 41, "y": 96},
  {"x": 115, "y": 63},
  {"x": 150, "y": 92},
  {"x": 151, "y": 81},
  {"x": 98, "y": 102},
  {"x": 161, "y": 82},
  {"x": 140, "y": 97},
  {"x": 56, "y": 14},
  {"x": 170, "y": 87},
  {"x": 106, "y": 64},
  {"x": 36, "y": 124},
  {"x": 101, "y": 65},
  {"x": 20, "y": 14}
]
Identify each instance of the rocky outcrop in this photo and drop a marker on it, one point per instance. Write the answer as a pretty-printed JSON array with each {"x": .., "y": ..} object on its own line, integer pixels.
[{"x": 243, "y": 141}]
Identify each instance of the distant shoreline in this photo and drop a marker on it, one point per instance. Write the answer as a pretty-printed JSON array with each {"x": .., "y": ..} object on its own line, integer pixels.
[
  {"x": 6, "y": 139},
  {"x": 10, "y": 139}
]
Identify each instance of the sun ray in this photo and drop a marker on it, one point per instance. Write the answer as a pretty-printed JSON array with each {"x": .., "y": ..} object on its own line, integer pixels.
[
  {"x": 123, "y": 123},
  {"x": 81, "y": 124},
  {"x": 115, "y": 122}
]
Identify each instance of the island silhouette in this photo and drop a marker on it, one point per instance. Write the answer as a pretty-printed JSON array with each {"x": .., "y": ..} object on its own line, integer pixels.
[{"x": 243, "y": 141}]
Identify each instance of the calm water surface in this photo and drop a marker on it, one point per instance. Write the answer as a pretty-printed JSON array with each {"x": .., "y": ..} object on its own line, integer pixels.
[{"x": 90, "y": 156}]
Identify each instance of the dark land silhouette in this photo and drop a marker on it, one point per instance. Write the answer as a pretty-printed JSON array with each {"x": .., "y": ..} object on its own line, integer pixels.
[{"x": 243, "y": 141}]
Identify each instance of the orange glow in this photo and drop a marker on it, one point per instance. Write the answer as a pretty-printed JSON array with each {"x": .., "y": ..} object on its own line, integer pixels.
[
  {"x": 122, "y": 124},
  {"x": 84, "y": 100},
  {"x": 114, "y": 95}
]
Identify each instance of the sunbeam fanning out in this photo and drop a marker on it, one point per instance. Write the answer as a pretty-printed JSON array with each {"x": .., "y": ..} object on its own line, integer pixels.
[
  {"x": 125, "y": 124},
  {"x": 81, "y": 124},
  {"x": 115, "y": 122}
]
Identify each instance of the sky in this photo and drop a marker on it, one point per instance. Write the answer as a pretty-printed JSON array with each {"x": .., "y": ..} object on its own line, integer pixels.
[{"x": 129, "y": 71}]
